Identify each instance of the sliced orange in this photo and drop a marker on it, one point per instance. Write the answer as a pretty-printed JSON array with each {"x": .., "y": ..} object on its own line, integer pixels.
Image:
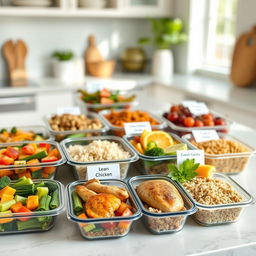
[
  {"x": 205, "y": 170},
  {"x": 142, "y": 136},
  {"x": 139, "y": 148},
  {"x": 161, "y": 138}
]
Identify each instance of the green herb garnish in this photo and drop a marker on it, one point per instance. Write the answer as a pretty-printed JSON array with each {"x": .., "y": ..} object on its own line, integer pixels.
[
  {"x": 184, "y": 172},
  {"x": 14, "y": 130},
  {"x": 4, "y": 181},
  {"x": 153, "y": 149}
]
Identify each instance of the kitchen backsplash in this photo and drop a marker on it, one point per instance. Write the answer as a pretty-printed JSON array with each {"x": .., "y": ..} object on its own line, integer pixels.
[{"x": 45, "y": 35}]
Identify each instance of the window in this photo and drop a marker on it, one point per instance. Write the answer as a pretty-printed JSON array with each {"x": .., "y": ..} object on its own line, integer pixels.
[{"x": 219, "y": 34}]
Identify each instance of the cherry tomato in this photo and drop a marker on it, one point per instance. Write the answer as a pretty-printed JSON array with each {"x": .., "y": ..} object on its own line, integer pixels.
[
  {"x": 208, "y": 122},
  {"x": 173, "y": 117},
  {"x": 108, "y": 225},
  {"x": 199, "y": 123},
  {"x": 180, "y": 120},
  {"x": 127, "y": 212},
  {"x": 12, "y": 153},
  {"x": 174, "y": 108},
  {"x": 5, "y": 160},
  {"x": 189, "y": 121},
  {"x": 219, "y": 121},
  {"x": 207, "y": 117},
  {"x": 29, "y": 149},
  {"x": 136, "y": 139},
  {"x": 49, "y": 159}
]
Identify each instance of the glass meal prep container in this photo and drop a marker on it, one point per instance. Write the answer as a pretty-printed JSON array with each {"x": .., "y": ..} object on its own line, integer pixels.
[
  {"x": 80, "y": 168},
  {"x": 181, "y": 130},
  {"x": 97, "y": 107},
  {"x": 103, "y": 228},
  {"x": 60, "y": 135},
  {"x": 36, "y": 221},
  {"x": 40, "y": 131},
  {"x": 30, "y": 169},
  {"x": 120, "y": 131},
  {"x": 210, "y": 215},
  {"x": 155, "y": 164},
  {"x": 164, "y": 222},
  {"x": 229, "y": 163}
]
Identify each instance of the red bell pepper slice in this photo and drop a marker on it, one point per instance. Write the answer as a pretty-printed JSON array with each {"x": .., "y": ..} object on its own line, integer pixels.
[
  {"x": 5, "y": 160},
  {"x": 29, "y": 149},
  {"x": 46, "y": 146},
  {"x": 25, "y": 210},
  {"x": 12, "y": 153},
  {"x": 49, "y": 159}
]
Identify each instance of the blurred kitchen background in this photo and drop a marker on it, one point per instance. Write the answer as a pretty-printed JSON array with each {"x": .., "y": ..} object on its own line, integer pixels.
[{"x": 185, "y": 45}]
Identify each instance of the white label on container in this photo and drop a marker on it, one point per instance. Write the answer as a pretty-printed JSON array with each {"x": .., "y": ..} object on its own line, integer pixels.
[
  {"x": 196, "y": 108},
  {"x": 94, "y": 86},
  {"x": 104, "y": 171},
  {"x": 136, "y": 127},
  {"x": 205, "y": 135},
  {"x": 68, "y": 110},
  {"x": 198, "y": 155}
]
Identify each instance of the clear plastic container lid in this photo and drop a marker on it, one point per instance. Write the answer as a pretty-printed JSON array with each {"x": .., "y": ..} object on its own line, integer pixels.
[
  {"x": 251, "y": 151},
  {"x": 127, "y": 138},
  {"x": 113, "y": 182},
  {"x": 85, "y": 141},
  {"x": 190, "y": 129},
  {"x": 37, "y": 129},
  {"x": 54, "y": 144},
  {"x": 160, "y": 126},
  {"x": 32, "y": 214},
  {"x": 105, "y": 127},
  {"x": 247, "y": 198},
  {"x": 188, "y": 201}
]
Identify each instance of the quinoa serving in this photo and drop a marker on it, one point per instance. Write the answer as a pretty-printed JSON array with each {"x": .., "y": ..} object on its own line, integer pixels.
[{"x": 210, "y": 191}]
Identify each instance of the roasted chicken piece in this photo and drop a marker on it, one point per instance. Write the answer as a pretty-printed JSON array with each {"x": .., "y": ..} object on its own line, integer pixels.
[
  {"x": 160, "y": 194},
  {"x": 102, "y": 205},
  {"x": 84, "y": 192},
  {"x": 95, "y": 186}
]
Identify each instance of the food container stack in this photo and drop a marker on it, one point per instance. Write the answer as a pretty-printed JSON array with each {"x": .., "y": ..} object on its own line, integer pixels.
[
  {"x": 75, "y": 126},
  {"x": 102, "y": 209},
  {"x": 32, "y": 159},
  {"x": 100, "y": 150},
  {"x": 164, "y": 203}
]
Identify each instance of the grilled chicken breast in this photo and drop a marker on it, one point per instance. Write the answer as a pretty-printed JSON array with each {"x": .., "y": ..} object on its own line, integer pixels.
[
  {"x": 95, "y": 186},
  {"x": 102, "y": 206},
  {"x": 160, "y": 194}
]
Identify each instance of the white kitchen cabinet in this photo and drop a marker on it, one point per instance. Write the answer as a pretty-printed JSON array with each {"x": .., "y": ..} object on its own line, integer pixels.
[
  {"x": 45, "y": 103},
  {"x": 113, "y": 9}
]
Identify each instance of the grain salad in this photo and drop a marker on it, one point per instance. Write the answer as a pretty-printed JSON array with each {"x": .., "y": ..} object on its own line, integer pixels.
[
  {"x": 214, "y": 192},
  {"x": 222, "y": 154},
  {"x": 98, "y": 150}
]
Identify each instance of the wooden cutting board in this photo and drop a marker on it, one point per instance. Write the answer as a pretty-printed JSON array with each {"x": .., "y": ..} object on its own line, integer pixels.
[{"x": 243, "y": 69}]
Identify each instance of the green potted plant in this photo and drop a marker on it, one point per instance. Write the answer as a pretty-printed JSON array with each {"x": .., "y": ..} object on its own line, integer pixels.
[
  {"x": 63, "y": 65},
  {"x": 165, "y": 33}
]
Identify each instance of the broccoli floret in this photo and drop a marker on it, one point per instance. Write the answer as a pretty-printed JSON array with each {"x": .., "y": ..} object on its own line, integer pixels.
[
  {"x": 4, "y": 181},
  {"x": 155, "y": 152}
]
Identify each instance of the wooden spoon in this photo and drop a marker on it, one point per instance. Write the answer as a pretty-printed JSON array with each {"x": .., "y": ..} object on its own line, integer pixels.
[
  {"x": 20, "y": 54},
  {"x": 9, "y": 54}
]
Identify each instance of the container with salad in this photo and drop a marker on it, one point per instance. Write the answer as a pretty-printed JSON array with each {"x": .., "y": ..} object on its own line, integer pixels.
[
  {"x": 156, "y": 150},
  {"x": 105, "y": 99},
  {"x": 29, "y": 206},
  {"x": 36, "y": 160},
  {"x": 102, "y": 209},
  {"x": 23, "y": 133}
]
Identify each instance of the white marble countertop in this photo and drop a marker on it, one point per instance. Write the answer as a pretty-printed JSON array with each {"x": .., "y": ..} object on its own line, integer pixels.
[{"x": 64, "y": 239}]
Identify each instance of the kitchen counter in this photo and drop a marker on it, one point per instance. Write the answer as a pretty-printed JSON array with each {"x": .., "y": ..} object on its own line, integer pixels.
[{"x": 64, "y": 239}]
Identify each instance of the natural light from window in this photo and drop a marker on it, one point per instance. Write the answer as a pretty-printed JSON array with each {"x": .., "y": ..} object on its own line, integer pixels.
[{"x": 219, "y": 33}]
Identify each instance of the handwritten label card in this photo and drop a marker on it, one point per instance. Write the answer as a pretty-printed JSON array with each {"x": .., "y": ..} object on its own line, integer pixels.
[
  {"x": 68, "y": 110},
  {"x": 196, "y": 108},
  {"x": 104, "y": 171},
  {"x": 136, "y": 127},
  {"x": 198, "y": 155},
  {"x": 205, "y": 135}
]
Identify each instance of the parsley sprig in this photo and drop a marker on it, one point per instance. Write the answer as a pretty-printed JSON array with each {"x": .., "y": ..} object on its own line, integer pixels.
[{"x": 183, "y": 172}]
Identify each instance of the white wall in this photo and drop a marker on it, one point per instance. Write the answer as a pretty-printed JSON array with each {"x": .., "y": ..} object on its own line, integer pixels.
[{"x": 44, "y": 35}]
